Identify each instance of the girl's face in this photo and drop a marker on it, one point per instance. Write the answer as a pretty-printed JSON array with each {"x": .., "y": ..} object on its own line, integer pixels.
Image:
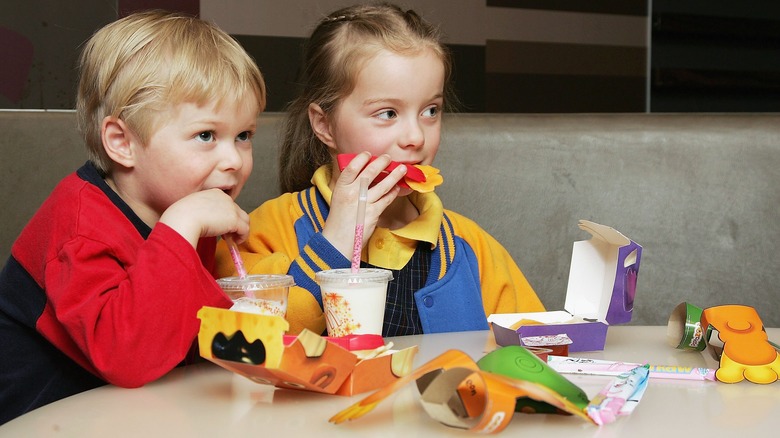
[
  {"x": 395, "y": 109},
  {"x": 195, "y": 148}
]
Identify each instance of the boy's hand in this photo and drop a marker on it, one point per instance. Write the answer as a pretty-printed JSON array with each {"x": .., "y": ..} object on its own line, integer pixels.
[
  {"x": 206, "y": 214},
  {"x": 339, "y": 228}
]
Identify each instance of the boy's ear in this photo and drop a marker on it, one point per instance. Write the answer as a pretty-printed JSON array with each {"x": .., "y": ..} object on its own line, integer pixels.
[
  {"x": 320, "y": 125},
  {"x": 117, "y": 141}
]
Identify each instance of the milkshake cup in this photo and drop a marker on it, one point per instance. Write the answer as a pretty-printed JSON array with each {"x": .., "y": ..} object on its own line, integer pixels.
[
  {"x": 354, "y": 301},
  {"x": 261, "y": 294}
]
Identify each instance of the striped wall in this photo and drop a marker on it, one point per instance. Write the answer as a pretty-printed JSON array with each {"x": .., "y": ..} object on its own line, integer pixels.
[{"x": 510, "y": 56}]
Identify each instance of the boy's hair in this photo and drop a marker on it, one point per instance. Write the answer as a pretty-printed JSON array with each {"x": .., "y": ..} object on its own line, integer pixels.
[
  {"x": 146, "y": 62},
  {"x": 334, "y": 54}
]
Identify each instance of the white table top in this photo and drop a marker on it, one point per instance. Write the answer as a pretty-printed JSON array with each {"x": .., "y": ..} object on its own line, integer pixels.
[{"x": 205, "y": 400}]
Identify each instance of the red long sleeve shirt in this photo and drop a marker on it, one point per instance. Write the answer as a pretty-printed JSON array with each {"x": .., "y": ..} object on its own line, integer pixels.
[{"x": 89, "y": 279}]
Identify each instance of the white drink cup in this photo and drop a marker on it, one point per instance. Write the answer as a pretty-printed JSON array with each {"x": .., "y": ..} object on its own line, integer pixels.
[
  {"x": 354, "y": 302},
  {"x": 261, "y": 294}
]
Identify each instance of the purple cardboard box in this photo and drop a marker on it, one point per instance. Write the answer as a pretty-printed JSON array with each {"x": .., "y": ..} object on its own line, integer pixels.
[{"x": 601, "y": 291}]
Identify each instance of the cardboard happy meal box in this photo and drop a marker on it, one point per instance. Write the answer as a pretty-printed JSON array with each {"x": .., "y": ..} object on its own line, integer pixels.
[
  {"x": 253, "y": 346},
  {"x": 601, "y": 291}
]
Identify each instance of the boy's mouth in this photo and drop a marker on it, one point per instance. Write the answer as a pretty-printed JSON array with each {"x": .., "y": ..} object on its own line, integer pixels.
[{"x": 228, "y": 190}]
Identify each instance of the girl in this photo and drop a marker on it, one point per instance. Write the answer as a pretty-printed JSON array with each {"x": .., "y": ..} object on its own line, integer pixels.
[{"x": 375, "y": 80}]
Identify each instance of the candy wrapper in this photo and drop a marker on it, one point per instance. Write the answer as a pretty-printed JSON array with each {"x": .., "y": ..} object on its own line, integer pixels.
[
  {"x": 598, "y": 367},
  {"x": 620, "y": 397}
]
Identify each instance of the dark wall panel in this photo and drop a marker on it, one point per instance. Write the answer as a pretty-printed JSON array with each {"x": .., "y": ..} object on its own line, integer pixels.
[
  {"x": 127, "y": 7},
  {"x": 725, "y": 57},
  {"x": 469, "y": 77},
  {"x": 549, "y": 77},
  {"x": 622, "y": 7},
  {"x": 528, "y": 93},
  {"x": 278, "y": 59}
]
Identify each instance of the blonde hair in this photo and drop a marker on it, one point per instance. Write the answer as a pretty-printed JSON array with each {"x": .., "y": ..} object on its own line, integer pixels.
[
  {"x": 144, "y": 63},
  {"x": 333, "y": 55}
]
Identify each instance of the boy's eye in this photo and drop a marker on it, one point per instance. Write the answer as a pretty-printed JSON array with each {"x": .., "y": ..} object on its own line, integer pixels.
[
  {"x": 431, "y": 112},
  {"x": 206, "y": 136},
  {"x": 387, "y": 115},
  {"x": 244, "y": 136}
]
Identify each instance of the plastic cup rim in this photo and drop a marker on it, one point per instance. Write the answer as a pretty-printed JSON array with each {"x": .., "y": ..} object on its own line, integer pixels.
[
  {"x": 345, "y": 275},
  {"x": 256, "y": 282}
]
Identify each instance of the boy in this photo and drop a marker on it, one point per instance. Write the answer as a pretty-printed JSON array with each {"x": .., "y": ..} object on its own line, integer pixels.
[{"x": 104, "y": 283}]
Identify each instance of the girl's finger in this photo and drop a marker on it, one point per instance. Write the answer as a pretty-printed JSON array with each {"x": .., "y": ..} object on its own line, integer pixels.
[{"x": 354, "y": 168}]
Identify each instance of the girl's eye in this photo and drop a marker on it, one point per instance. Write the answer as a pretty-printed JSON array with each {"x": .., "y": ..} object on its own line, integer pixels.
[
  {"x": 431, "y": 112},
  {"x": 206, "y": 136},
  {"x": 387, "y": 115},
  {"x": 244, "y": 136}
]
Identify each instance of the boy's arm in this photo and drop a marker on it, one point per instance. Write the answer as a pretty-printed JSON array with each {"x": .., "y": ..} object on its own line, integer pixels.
[{"x": 128, "y": 318}]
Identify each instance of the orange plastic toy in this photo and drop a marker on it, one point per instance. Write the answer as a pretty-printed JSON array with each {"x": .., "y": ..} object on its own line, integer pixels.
[{"x": 747, "y": 353}]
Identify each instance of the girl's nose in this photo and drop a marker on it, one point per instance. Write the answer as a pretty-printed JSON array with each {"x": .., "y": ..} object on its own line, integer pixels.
[{"x": 415, "y": 137}]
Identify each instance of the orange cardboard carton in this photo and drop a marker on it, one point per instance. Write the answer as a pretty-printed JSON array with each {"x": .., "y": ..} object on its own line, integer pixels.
[{"x": 252, "y": 345}]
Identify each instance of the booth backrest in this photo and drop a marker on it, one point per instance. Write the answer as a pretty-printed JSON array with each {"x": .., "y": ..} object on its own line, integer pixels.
[{"x": 699, "y": 192}]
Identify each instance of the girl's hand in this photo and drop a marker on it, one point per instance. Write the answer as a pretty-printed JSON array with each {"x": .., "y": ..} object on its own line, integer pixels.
[
  {"x": 206, "y": 214},
  {"x": 339, "y": 228}
]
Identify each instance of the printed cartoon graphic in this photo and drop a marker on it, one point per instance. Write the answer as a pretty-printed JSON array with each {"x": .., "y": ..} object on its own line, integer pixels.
[{"x": 238, "y": 349}]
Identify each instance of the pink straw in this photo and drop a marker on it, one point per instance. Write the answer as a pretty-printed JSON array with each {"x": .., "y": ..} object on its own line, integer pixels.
[
  {"x": 236, "y": 256},
  {"x": 357, "y": 246}
]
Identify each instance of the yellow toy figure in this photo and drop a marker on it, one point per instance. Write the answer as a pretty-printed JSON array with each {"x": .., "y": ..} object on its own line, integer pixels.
[{"x": 747, "y": 353}]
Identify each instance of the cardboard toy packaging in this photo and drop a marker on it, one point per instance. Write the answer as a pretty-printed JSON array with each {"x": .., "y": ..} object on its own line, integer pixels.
[
  {"x": 600, "y": 292},
  {"x": 253, "y": 346}
]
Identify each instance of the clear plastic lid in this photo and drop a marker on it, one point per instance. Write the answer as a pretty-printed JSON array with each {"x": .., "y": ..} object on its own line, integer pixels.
[
  {"x": 364, "y": 275},
  {"x": 256, "y": 282}
]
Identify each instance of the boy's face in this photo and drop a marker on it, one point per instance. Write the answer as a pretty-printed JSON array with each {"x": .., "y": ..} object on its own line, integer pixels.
[
  {"x": 394, "y": 109},
  {"x": 196, "y": 148}
]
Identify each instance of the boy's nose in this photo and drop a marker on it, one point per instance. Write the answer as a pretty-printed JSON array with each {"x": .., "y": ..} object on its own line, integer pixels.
[{"x": 232, "y": 158}]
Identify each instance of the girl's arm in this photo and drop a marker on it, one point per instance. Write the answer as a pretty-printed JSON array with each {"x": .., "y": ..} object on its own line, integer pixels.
[{"x": 504, "y": 286}]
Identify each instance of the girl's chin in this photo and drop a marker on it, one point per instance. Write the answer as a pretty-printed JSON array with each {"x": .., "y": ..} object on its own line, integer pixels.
[{"x": 405, "y": 192}]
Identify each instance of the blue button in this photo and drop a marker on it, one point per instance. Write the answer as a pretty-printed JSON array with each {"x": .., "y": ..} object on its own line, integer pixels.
[{"x": 428, "y": 301}]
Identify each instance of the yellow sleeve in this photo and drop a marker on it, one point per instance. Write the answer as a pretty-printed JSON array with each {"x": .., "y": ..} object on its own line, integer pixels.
[{"x": 504, "y": 286}]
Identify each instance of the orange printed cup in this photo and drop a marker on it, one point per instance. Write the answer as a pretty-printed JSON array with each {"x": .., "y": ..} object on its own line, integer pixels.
[{"x": 354, "y": 302}]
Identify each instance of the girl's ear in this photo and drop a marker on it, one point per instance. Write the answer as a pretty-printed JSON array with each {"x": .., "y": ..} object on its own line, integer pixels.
[
  {"x": 320, "y": 125},
  {"x": 117, "y": 141}
]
